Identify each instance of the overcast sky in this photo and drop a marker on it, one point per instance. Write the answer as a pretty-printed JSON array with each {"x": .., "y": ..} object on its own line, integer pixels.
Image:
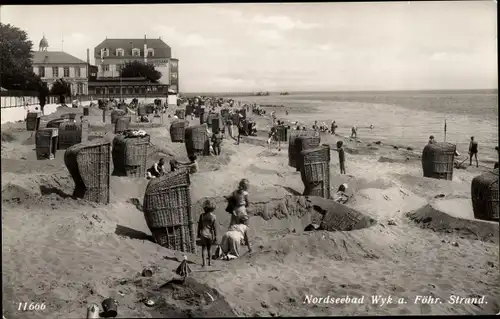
[{"x": 292, "y": 47}]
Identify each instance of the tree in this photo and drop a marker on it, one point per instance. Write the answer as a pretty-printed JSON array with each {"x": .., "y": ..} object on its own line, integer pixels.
[
  {"x": 43, "y": 92},
  {"x": 16, "y": 67},
  {"x": 61, "y": 88},
  {"x": 138, "y": 69}
]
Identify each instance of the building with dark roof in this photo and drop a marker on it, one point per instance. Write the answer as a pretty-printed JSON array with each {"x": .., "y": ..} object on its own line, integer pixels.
[
  {"x": 112, "y": 54},
  {"x": 53, "y": 65}
]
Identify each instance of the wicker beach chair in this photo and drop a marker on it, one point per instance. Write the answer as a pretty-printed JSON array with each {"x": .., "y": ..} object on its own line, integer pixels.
[
  {"x": 315, "y": 171},
  {"x": 89, "y": 165},
  {"x": 122, "y": 123},
  {"x": 304, "y": 142},
  {"x": 33, "y": 121},
  {"x": 167, "y": 210},
  {"x": 203, "y": 118},
  {"x": 196, "y": 140},
  {"x": 177, "y": 131},
  {"x": 181, "y": 113},
  {"x": 115, "y": 114},
  {"x": 438, "y": 160},
  {"x": 281, "y": 133},
  {"x": 46, "y": 141},
  {"x": 485, "y": 193},
  {"x": 130, "y": 155},
  {"x": 71, "y": 133}
]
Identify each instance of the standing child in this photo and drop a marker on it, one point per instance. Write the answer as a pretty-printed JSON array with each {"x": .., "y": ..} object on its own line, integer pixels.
[
  {"x": 473, "y": 149},
  {"x": 217, "y": 138},
  {"x": 340, "y": 150},
  {"x": 207, "y": 230}
]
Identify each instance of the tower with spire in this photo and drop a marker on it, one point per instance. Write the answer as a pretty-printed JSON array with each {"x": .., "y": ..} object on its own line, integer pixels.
[{"x": 44, "y": 44}]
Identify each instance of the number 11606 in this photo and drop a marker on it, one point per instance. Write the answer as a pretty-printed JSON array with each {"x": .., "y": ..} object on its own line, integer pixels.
[{"x": 32, "y": 306}]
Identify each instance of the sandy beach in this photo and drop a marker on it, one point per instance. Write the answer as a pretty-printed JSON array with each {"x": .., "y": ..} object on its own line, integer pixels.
[{"x": 69, "y": 253}]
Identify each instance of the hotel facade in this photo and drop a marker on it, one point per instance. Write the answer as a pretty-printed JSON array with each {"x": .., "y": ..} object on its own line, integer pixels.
[{"x": 111, "y": 55}]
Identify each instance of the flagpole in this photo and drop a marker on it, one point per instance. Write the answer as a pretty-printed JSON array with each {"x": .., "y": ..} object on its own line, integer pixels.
[{"x": 445, "y": 130}]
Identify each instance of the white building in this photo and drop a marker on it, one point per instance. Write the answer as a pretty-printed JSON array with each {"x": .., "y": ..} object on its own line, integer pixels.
[{"x": 53, "y": 65}]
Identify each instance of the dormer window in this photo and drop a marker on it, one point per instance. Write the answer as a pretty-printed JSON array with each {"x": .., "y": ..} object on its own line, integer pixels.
[
  {"x": 120, "y": 52},
  {"x": 136, "y": 52},
  {"x": 104, "y": 52},
  {"x": 151, "y": 52}
]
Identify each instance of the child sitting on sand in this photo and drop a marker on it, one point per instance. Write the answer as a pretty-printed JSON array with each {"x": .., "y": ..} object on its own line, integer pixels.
[
  {"x": 157, "y": 170},
  {"x": 207, "y": 230},
  {"x": 340, "y": 150}
]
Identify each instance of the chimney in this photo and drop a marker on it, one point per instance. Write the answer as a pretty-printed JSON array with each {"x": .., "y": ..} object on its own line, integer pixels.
[
  {"x": 145, "y": 50},
  {"x": 88, "y": 56}
]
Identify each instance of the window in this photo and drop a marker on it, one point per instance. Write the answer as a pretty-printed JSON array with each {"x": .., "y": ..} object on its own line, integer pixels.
[
  {"x": 79, "y": 88},
  {"x": 77, "y": 72},
  {"x": 136, "y": 52},
  {"x": 66, "y": 72},
  {"x": 118, "y": 68},
  {"x": 111, "y": 90},
  {"x": 41, "y": 71},
  {"x": 151, "y": 52},
  {"x": 55, "y": 72},
  {"x": 106, "y": 67},
  {"x": 119, "y": 52}
]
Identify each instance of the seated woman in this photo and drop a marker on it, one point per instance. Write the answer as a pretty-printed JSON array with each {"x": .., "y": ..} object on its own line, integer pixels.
[
  {"x": 157, "y": 170},
  {"x": 232, "y": 240}
]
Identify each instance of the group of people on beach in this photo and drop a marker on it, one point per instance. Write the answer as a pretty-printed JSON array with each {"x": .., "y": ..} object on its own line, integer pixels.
[{"x": 237, "y": 233}]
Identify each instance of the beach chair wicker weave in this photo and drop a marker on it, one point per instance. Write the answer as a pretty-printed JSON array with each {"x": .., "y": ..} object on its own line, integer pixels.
[
  {"x": 115, "y": 114},
  {"x": 142, "y": 110},
  {"x": 33, "y": 121},
  {"x": 122, "y": 123},
  {"x": 203, "y": 118},
  {"x": 55, "y": 123},
  {"x": 46, "y": 143},
  {"x": 178, "y": 131},
  {"x": 196, "y": 140},
  {"x": 130, "y": 155},
  {"x": 181, "y": 113},
  {"x": 438, "y": 160},
  {"x": 485, "y": 193},
  {"x": 211, "y": 117},
  {"x": 71, "y": 133},
  {"x": 89, "y": 165},
  {"x": 291, "y": 145},
  {"x": 281, "y": 133},
  {"x": 302, "y": 143},
  {"x": 315, "y": 171},
  {"x": 167, "y": 210}
]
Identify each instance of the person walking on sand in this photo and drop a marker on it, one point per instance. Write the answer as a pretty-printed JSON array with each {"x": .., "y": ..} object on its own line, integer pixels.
[
  {"x": 217, "y": 138},
  {"x": 239, "y": 201},
  {"x": 473, "y": 149},
  {"x": 340, "y": 150},
  {"x": 207, "y": 230},
  {"x": 354, "y": 132},
  {"x": 333, "y": 128}
]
